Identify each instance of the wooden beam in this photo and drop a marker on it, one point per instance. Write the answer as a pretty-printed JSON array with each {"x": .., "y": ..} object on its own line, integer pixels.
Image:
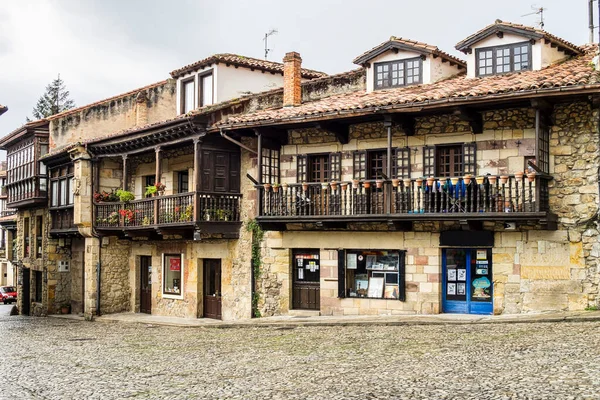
[
  {"x": 474, "y": 118},
  {"x": 341, "y": 131},
  {"x": 404, "y": 121},
  {"x": 197, "y": 177},
  {"x": 124, "y": 183}
]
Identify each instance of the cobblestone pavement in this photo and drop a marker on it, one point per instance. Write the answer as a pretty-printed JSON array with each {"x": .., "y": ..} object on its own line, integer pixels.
[{"x": 64, "y": 359}]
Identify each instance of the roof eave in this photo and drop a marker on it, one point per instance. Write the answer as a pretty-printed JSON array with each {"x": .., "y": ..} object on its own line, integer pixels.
[
  {"x": 387, "y": 46},
  {"x": 465, "y": 45}
]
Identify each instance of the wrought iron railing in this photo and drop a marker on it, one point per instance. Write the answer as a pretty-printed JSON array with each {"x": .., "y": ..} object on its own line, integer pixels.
[{"x": 477, "y": 195}]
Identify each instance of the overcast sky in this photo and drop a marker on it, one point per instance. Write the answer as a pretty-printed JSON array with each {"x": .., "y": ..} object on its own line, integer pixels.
[{"x": 105, "y": 47}]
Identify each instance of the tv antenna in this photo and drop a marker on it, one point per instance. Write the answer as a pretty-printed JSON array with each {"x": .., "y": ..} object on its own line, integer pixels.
[
  {"x": 266, "y": 39},
  {"x": 539, "y": 11}
]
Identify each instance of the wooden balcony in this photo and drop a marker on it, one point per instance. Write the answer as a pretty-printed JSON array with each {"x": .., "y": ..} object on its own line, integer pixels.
[
  {"x": 489, "y": 198},
  {"x": 181, "y": 214},
  {"x": 62, "y": 222}
]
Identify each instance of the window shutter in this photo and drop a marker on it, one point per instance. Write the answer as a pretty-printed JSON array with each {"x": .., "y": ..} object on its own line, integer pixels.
[
  {"x": 335, "y": 164},
  {"x": 301, "y": 169},
  {"x": 360, "y": 165},
  {"x": 429, "y": 166},
  {"x": 402, "y": 278},
  {"x": 469, "y": 158},
  {"x": 341, "y": 274},
  {"x": 401, "y": 163},
  {"x": 234, "y": 172},
  {"x": 207, "y": 171}
]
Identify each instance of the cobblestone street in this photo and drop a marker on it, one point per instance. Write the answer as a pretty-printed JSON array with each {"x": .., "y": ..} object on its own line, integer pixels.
[{"x": 65, "y": 359}]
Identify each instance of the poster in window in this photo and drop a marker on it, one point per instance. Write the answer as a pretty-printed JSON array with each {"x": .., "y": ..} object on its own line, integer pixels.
[
  {"x": 175, "y": 264},
  {"x": 451, "y": 274},
  {"x": 375, "y": 287},
  {"x": 351, "y": 262},
  {"x": 391, "y": 292},
  {"x": 482, "y": 254},
  {"x": 300, "y": 273},
  {"x": 460, "y": 288},
  {"x": 452, "y": 288},
  {"x": 462, "y": 274},
  {"x": 371, "y": 260}
]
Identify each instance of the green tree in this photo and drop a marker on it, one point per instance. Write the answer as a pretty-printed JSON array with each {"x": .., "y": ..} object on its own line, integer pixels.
[{"x": 55, "y": 100}]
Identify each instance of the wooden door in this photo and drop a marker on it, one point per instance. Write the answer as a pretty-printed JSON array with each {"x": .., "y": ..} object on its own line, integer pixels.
[
  {"x": 306, "y": 292},
  {"x": 25, "y": 292},
  {"x": 212, "y": 289},
  {"x": 146, "y": 284},
  {"x": 449, "y": 161}
]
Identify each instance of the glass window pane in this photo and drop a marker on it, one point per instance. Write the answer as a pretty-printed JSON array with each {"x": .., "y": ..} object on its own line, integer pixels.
[
  {"x": 207, "y": 90},
  {"x": 172, "y": 268},
  {"x": 71, "y": 194},
  {"x": 188, "y": 96},
  {"x": 62, "y": 188},
  {"x": 54, "y": 201}
]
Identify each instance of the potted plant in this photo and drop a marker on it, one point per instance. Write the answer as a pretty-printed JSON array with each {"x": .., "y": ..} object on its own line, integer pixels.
[
  {"x": 492, "y": 179},
  {"x": 222, "y": 215},
  {"x": 503, "y": 179},
  {"x": 395, "y": 182},
  {"x": 285, "y": 186},
  {"x": 344, "y": 186},
  {"x": 334, "y": 185},
  {"x": 65, "y": 308},
  {"x": 419, "y": 182},
  {"x": 355, "y": 183},
  {"x": 128, "y": 215},
  {"x": 519, "y": 175},
  {"x": 407, "y": 182},
  {"x": 276, "y": 187},
  {"x": 366, "y": 184},
  {"x": 146, "y": 220},
  {"x": 454, "y": 180},
  {"x": 304, "y": 186},
  {"x": 113, "y": 218},
  {"x": 480, "y": 180},
  {"x": 430, "y": 181},
  {"x": 467, "y": 179},
  {"x": 160, "y": 188},
  {"x": 324, "y": 185},
  {"x": 379, "y": 183},
  {"x": 267, "y": 187},
  {"x": 125, "y": 196},
  {"x": 531, "y": 176}
]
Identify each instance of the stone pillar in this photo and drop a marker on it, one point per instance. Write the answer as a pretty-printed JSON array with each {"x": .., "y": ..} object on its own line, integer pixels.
[
  {"x": 82, "y": 190},
  {"x": 141, "y": 115},
  {"x": 91, "y": 257},
  {"x": 292, "y": 79}
]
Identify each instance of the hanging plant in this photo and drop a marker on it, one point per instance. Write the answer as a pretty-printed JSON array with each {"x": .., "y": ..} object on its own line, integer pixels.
[{"x": 125, "y": 196}]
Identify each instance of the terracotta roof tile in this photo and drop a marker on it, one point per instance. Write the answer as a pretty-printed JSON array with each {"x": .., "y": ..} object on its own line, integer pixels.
[
  {"x": 571, "y": 73},
  {"x": 398, "y": 42},
  {"x": 464, "y": 44},
  {"x": 243, "y": 61},
  {"x": 97, "y": 103}
]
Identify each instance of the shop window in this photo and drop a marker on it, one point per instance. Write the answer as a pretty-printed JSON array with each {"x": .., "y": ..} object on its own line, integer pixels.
[
  {"x": 375, "y": 274},
  {"x": 39, "y": 226},
  {"x": 172, "y": 275}
]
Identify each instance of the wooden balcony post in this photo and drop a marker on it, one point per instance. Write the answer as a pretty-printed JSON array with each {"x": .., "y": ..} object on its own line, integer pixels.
[
  {"x": 197, "y": 177},
  {"x": 387, "y": 123},
  {"x": 260, "y": 172},
  {"x": 124, "y": 171},
  {"x": 157, "y": 175}
]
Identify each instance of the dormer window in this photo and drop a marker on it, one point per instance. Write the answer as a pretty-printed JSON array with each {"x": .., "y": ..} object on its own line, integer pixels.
[
  {"x": 188, "y": 93},
  {"x": 503, "y": 59},
  {"x": 398, "y": 73}
]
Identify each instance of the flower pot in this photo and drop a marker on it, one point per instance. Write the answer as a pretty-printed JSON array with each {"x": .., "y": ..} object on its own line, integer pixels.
[
  {"x": 305, "y": 187},
  {"x": 355, "y": 183},
  {"x": 419, "y": 182},
  {"x": 366, "y": 184},
  {"x": 334, "y": 185},
  {"x": 480, "y": 180},
  {"x": 324, "y": 186},
  {"x": 454, "y": 181},
  {"x": 407, "y": 182},
  {"x": 267, "y": 187},
  {"x": 344, "y": 186},
  {"x": 531, "y": 176},
  {"x": 467, "y": 179},
  {"x": 284, "y": 186},
  {"x": 395, "y": 182},
  {"x": 503, "y": 179},
  {"x": 64, "y": 309},
  {"x": 379, "y": 183},
  {"x": 519, "y": 176},
  {"x": 276, "y": 188},
  {"x": 430, "y": 181},
  {"x": 492, "y": 179}
]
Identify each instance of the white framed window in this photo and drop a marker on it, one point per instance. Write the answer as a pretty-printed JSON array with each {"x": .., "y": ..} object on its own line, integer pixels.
[
  {"x": 188, "y": 95},
  {"x": 206, "y": 89},
  {"x": 172, "y": 275}
]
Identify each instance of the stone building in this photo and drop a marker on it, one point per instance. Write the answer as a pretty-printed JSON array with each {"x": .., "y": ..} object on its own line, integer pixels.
[
  {"x": 418, "y": 183},
  {"x": 8, "y": 271}
]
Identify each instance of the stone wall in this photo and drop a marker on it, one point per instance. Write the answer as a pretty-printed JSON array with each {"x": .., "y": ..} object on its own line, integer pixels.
[
  {"x": 115, "y": 290},
  {"x": 114, "y": 115}
]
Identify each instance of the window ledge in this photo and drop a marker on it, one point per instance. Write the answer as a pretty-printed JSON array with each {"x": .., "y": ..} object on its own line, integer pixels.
[{"x": 172, "y": 296}]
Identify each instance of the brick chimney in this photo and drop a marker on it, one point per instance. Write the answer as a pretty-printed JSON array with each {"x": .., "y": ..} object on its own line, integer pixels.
[
  {"x": 292, "y": 80},
  {"x": 141, "y": 112}
]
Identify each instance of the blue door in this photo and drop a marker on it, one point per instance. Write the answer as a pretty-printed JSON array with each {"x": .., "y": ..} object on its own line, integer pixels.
[{"x": 467, "y": 286}]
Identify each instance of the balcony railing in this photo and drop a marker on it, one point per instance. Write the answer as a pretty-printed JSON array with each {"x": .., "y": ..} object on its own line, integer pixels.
[
  {"x": 173, "y": 210},
  {"x": 8, "y": 212},
  {"x": 431, "y": 198}
]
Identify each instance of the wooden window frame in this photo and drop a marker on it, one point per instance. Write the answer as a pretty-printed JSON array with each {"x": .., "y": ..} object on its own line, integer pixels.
[
  {"x": 60, "y": 178},
  {"x": 271, "y": 165},
  {"x": 468, "y": 163},
  {"x": 494, "y": 50},
  {"x": 182, "y": 94},
  {"x": 180, "y": 174},
  {"x": 401, "y": 165},
  {"x": 201, "y": 76},
  {"x": 172, "y": 295},
  {"x": 404, "y": 64}
]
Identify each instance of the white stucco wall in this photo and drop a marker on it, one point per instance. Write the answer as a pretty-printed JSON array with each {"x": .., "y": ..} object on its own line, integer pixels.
[
  {"x": 542, "y": 55},
  {"x": 215, "y": 72},
  {"x": 433, "y": 68},
  {"x": 233, "y": 82}
]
